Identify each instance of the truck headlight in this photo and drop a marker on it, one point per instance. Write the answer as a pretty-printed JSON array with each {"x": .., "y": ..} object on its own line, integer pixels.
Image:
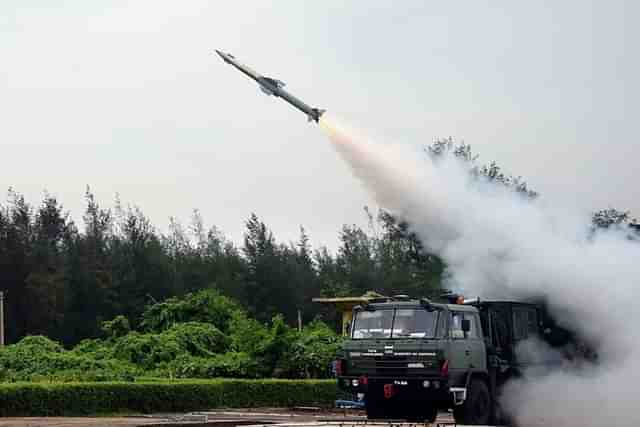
[{"x": 426, "y": 383}]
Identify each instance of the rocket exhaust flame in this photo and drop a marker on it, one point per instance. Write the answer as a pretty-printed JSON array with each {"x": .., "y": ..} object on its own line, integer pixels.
[{"x": 496, "y": 244}]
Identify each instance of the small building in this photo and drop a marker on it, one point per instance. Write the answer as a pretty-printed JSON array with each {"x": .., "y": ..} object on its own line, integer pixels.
[{"x": 344, "y": 306}]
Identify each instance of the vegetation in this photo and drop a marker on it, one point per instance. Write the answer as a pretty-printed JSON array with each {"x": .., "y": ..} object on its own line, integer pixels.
[
  {"x": 195, "y": 347},
  {"x": 119, "y": 264},
  {"x": 225, "y": 310},
  {"x": 43, "y": 399}
]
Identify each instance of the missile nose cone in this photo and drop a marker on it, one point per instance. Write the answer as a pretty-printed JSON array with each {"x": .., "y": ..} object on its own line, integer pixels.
[{"x": 226, "y": 57}]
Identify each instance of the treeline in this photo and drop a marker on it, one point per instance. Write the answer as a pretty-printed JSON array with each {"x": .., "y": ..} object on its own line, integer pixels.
[{"x": 62, "y": 280}]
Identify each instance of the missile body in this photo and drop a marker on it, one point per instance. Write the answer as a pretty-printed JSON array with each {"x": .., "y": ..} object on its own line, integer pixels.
[{"x": 273, "y": 87}]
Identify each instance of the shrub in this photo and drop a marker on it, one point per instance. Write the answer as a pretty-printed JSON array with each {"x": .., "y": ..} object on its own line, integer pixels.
[
  {"x": 153, "y": 351},
  {"x": 92, "y": 398},
  {"x": 146, "y": 350},
  {"x": 95, "y": 348},
  {"x": 198, "y": 339},
  {"x": 38, "y": 358},
  {"x": 37, "y": 344},
  {"x": 311, "y": 354},
  {"x": 228, "y": 365},
  {"x": 206, "y": 306},
  {"x": 117, "y": 327}
]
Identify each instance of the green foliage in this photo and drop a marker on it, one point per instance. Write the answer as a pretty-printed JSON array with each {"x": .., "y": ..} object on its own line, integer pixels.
[
  {"x": 312, "y": 352},
  {"x": 96, "y": 348},
  {"x": 118, "y": 263},
  {"x": 38, "y": 358},
  {"x": 265, "y": 344},
  {"x": 153, "y": 351},
  {"x": 228, "y": 365},
  {"x": 36, "y": 344},
  {"x": 249, "y": 349},
  {"x": 117, "y": 327},
  {"x": 90, "y": 398},
  {"x": 198, "y": 339},
  {"x": 146, "y": 350},
  {"x": 247, "y": 335},
  {"x": 206, "y": 306}
]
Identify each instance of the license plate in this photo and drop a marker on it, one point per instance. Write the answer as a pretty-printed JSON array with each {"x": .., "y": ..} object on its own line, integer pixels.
[{"x": 388, "y": 391}]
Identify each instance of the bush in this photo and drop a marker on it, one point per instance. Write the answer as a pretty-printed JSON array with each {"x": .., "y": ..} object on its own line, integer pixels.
[
  {"x": 206, "y": 306},
  {"x": 198, "y": 339},
  {"x": 311, "y": 354},
  {"x": 92, "y": 398},
  {"x": 228, "y": 365},
  {"x": 146, "y": 350},
  {"x": 153, "y": 351},
  {"x": 95, "y": 348},
  {"x": 37, "y": 344},
  {"x": 187, "y": 349},
  {"x": 38, "y": 358},
  {"x": 117, "y": 327}
]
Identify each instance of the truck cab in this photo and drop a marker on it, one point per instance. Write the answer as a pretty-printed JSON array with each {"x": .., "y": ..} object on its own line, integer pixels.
[{"x": 411, "y": 357}]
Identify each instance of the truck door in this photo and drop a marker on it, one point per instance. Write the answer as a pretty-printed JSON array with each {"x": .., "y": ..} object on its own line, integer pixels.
[
  {"x": 468, "y": 350},
  {"x": 525, "y": 326},
  {"x": 502, "y": 357},
  {"x": 476, "y": 344}
]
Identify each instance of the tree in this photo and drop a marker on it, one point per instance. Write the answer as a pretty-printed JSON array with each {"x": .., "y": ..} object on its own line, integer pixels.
[
  {"x": 266, "y": 288},
  {"x": 493, "y": 173},
  {"x": 45, "y": 284},
  {"x": 614, "y": 219},
  {"x": 16, "y": 260},
  {"x": 139, "y": 266},
  {"x": 404, "y": 264},
  {"x": 89, "y": 285}
]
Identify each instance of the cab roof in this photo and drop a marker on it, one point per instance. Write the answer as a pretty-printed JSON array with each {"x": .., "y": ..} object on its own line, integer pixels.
[{"x": 418, "y": 304}]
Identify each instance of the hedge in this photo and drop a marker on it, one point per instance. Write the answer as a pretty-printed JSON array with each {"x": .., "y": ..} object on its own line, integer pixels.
[{"x": 57, "y": 399}]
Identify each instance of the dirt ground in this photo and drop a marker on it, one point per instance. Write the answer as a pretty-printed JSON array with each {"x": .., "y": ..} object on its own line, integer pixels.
[{"x": 219, "y": 418}]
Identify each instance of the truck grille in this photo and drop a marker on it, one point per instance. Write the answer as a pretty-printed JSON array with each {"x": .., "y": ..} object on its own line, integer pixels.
[{"x": 392, "y": 366}]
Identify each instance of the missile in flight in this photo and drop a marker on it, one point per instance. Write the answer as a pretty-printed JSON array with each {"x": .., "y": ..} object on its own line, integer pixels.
[{"x": 273, "y": 87}]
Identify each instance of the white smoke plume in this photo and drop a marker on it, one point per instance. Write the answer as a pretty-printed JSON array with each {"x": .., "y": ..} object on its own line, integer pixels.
[{"x": 498, "y": 244}]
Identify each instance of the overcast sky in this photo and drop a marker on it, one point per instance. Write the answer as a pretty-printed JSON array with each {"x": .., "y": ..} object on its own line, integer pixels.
[{"x": 128, "y": 99}]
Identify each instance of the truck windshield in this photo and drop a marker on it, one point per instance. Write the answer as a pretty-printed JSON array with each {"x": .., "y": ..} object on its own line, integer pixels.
[{"x": 395, "y": 323}]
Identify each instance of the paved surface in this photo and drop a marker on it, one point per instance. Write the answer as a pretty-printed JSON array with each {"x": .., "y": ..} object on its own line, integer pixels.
[
  {"x": 75, "y": 421},
  {"x": 220, "y": 418}
]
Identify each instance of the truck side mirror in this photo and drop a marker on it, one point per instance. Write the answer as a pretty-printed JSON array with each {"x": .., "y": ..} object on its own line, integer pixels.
[{"x": 466, "y": 325}]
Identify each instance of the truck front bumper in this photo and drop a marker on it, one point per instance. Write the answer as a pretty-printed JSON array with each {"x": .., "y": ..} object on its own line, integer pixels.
[{"x": 435, "y": 389}]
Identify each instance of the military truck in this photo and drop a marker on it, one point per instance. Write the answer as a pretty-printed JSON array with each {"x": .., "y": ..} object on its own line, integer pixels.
[{"x": 413, "y": 357}]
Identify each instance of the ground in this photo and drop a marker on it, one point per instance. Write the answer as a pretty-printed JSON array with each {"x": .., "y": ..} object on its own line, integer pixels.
[{"x": 219, "y": 418}]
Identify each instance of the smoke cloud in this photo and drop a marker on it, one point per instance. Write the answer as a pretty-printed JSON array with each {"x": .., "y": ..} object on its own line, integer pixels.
[{"x": 499, "y": 244}]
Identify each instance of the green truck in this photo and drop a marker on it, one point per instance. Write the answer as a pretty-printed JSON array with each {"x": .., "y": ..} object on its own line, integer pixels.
[{"x": 410, "y": 358}]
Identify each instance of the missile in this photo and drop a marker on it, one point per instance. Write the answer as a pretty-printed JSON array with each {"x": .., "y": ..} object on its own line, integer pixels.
[{"x": 274, "y": 87}]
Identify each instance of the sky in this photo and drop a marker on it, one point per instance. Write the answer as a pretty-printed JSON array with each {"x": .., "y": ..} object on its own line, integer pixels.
[{"x": 130, "y": 99}]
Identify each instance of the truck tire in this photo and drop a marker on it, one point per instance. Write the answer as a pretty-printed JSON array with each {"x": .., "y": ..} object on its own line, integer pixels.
[
  {"x": 374, "y": 408},
  {"x": 419, "y": 413},
  {"x": 476, "y": 409},
  {"x": 430, "y": 414}
]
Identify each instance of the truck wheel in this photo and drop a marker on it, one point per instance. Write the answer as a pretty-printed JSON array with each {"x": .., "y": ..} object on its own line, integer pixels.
[
  {"x": 419, "y": 414},
  {"x": 431, "y": 414},
  {"x": 374, "y": 409},
  {"x": 476, "y": 409}
]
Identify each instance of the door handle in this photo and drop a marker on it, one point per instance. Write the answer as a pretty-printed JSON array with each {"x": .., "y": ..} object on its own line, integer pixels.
[{"x": 467, "y": 353}]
